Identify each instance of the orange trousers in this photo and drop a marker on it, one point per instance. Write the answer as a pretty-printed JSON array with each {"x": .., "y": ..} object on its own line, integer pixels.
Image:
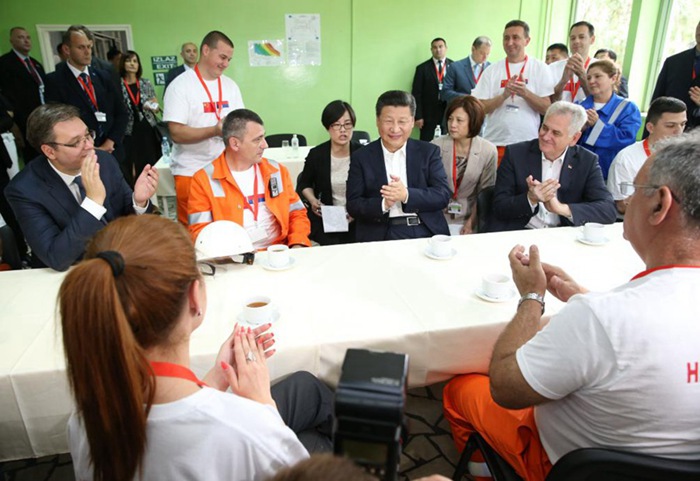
[
  {"x": 513, "y": 434},
  {"x": 182, "y": 192}
]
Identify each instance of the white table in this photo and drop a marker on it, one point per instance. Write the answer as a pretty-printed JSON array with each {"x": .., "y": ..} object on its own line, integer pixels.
[
  {"x": 294, "y": 162},
  {"x": 382, "y": 295}
]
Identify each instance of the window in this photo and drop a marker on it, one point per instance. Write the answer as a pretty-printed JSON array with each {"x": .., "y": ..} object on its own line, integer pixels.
[
  {"x": 680, "y": 34},
  {"x": 611, "y": 19}
]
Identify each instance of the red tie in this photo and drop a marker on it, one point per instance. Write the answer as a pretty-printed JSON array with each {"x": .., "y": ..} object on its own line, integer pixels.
[{"x": 32, "y": 71}]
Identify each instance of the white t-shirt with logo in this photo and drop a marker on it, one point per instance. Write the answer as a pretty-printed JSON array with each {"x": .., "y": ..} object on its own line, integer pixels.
[
  {"x": 186, "y": 102},
  {"x": 519, "y": 122},
  {"x": 623, "y": 369},
  {"x": 266, "y": 229}
]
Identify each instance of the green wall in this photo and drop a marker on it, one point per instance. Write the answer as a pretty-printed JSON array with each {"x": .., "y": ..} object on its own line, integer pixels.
[{"x": 368, "y": 46}]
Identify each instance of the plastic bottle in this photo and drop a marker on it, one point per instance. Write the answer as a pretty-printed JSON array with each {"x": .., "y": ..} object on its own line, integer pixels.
[
  {"x": 165, "y": 150},
  {"x": 438, "y": 132},
  {"x": 295, "y": 145}
]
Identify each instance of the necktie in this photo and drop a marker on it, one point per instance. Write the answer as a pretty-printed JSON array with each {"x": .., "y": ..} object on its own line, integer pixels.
[
  {"x": 32, "y": 71},
  {"x": 79, "y": 182},
  {"x": 439, "y": 68}
]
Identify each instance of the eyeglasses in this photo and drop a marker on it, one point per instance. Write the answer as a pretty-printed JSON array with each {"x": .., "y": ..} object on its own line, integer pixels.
[
  {"x": 90, "y": 136},
  {"x": 629, "y": 188},
  {"x": 347, "y": 126}
]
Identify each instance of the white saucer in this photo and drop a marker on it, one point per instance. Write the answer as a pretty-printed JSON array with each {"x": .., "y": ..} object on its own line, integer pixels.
[
  {"x": 583, "y": 240},
  {"x": 266, "y": 265},
  {"x": 242, "y": 320},
  {"x": 429, "y": 253},
  {"x": 481, "y": 295}
]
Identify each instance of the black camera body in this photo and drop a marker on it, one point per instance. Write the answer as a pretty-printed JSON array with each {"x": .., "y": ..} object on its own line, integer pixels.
[{"x": 369, "y": 410}]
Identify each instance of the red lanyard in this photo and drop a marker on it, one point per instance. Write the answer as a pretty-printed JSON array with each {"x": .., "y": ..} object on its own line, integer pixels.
[
  {"x": 454, "y": 168},
  {"x": 670, "y": 266},
  {"x": 168, "y": 369},
  {"x": 441, "y": 73},
  {"x": 218, "y": 107},
  {"x": 645, "y": 144},
  {"x": 476, "y": 79},
  {"x": 89, "y": 89},
  {"x": 136, "y": 99},
  {"x": 520, "y": 75},
  {"x": 574, "y": 87},
  {"x": 246, "y": 205}
]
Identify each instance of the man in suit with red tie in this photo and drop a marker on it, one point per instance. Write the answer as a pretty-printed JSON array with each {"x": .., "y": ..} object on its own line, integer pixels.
[
  {"x": 22, "y": 82},
  {"x": 427, "y": 84},
  {"x": 91, "y": 90}
]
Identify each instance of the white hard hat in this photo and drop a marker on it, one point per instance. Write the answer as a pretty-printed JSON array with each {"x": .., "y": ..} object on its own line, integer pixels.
[{"x": 224, "y": 240}]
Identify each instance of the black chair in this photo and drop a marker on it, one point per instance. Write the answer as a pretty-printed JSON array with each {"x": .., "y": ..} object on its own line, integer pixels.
[
  {"x": 587, "y": 464},
  {"x": 275, "y": 140},
  {"x": 10, "y": 251},
  {"x": 484, "y": 203},
  {"x": 360, "y": 135}
]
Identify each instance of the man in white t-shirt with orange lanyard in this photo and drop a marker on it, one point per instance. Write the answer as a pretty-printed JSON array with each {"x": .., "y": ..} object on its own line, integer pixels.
[
  {"x": 514, "y": 91},
  {"x": 570, "y": 74},
  {"x": 194, "y": 106},
  {"x": 667, "y": 117},
  {"x": 242, "y": 186}
]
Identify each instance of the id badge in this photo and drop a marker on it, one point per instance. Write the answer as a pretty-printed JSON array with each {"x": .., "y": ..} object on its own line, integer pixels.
[
  {"x": 454, "y": 207},
  {"x": 440, "y": 86},
  {"x": 256, "y": 234},
  {"x": 512, "y": 108},
  {"x": 101, "y": 116}
]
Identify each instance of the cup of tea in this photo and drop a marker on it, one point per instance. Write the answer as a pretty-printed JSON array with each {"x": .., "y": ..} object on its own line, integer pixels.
[
  {"x": 278, "y": 255},
  {"x": 258, "y": 310},
  {"x": 594, "y": 232},
  {"x": 441, "y": 245},
  {"x": 496, "y": 286}
]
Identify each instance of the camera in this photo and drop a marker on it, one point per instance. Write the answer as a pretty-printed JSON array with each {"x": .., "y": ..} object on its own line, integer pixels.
[{"x": 369, "y": 410}]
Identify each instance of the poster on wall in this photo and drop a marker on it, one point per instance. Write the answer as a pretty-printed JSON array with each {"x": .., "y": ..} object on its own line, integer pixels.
[
  {"x": 265, "y": 53},
  {"x": 303, "y": 38}
]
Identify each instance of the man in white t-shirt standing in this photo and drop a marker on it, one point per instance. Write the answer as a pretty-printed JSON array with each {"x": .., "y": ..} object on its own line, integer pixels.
[
  {"x": 194, "y": 106},
  {"x": 667, "y": 117},
  {"x": 570, "y": 74},
  {"x": 243, "y": 187},
  {"x": 617, "y": 369},
  {"x": 514, "y": 91}
]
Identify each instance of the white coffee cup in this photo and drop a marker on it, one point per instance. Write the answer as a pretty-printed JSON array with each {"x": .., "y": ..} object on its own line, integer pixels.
[
  {"x": 496, "y": 286},
  {"x": 441, "y": 245},
  {"x": 278, "y": 255},
  {"x": 594, "y": 232},
  {"x": 258, "y": 310}
]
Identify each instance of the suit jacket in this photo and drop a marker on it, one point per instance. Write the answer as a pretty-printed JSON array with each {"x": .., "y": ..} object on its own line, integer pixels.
[
  {"x": 675, "y": 80},
  {"x": 581, "y": 180},
  {"x": 459, "y": 80},
  {"x": 172, "y": 75},
  {"x": 57, "y": 228},
  {"x": 428, "y": 191},
  {"x": 18, "y": 85},
  {"x": 425, "y": 89},
  {"x": 62, "y": 86}
]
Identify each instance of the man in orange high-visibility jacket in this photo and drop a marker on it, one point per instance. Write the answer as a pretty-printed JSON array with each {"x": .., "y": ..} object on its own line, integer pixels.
[{"x": 243, "y": 187}]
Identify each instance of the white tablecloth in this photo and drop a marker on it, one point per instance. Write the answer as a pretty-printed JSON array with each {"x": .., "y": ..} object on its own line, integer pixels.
[
  {"x": 293, "y": 161},
  {"x": 382, "y": 295}
]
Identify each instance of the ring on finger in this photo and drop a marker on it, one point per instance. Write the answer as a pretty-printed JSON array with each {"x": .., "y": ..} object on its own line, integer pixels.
[{"x": 250, "y": 357}]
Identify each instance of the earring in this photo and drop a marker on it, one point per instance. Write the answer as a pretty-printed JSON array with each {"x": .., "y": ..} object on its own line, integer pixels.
[{"x": 199, "y": 313}]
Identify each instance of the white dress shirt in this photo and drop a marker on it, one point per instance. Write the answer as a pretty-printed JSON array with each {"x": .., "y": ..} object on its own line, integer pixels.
[
  {"x": 551, "y": 169},
  {"x": 395, "y": 163}
]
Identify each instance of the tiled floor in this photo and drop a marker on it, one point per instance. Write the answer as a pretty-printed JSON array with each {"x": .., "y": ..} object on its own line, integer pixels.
[{"x": 429, "y": 449}]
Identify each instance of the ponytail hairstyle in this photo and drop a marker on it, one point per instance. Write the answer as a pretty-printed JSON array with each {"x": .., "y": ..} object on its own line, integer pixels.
[{"x": 123, "y": 298}]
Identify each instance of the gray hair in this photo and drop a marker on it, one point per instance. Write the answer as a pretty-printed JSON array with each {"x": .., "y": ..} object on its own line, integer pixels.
[
  {"x": 677, "y": 166},
  {"x": 576, "y": 113},
  {"x": 42, "y": 120},
  {"x": 236, "y": 122},
  {"x": 481, "y": 40}
]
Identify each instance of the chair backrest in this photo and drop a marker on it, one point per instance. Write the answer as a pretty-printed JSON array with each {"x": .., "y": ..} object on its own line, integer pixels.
[
  {"x": 9, "y": 249},
  {"x": 594, "y": 464},
  {"x": 275, "y": 140},
  {"x": 360, "y": 136},
  {"x": 484, "y": 202}
]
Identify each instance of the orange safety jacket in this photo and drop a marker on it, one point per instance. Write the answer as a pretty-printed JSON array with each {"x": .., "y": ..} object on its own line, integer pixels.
[{"x": 214, "y": 195}]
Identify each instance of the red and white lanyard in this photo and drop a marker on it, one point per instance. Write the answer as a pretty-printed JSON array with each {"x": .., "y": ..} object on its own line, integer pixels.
[
  {"x": 246, "y": 205},
  {"x": 89, "y": 90},
  {"x": 217, "y": 107},
  {"x": 169, "y": 369},
  {"x": 520, "y": 75},
  {"x": 136, "y": 99},
  {"x": 574, "y": 87},
  {"x": 647, "y": 150}
]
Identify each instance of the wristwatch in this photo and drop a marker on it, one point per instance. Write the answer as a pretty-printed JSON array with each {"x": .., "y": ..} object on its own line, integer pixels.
[{"x": 532, "y": 296}]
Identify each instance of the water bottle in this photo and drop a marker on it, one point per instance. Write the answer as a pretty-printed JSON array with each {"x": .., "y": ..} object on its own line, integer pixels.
[
  {"x": 165, "y": 150},
  {"x": 295, "y": 145},
  {"x": 438, "y": 132}
]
